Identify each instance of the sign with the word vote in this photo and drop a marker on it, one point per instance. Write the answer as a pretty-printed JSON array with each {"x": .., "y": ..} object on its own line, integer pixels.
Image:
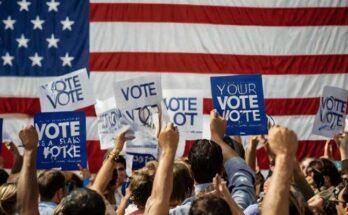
[
  {"x": 110, "y": 120},
  {"x": 139, "y": 99},
  {"x": 331, "y": 115},
  {"x": 239, "y": 99},
  {"x": 62, "y": 140},
  {"x": 185, "y": 110},
  {"x": 67, "y": 93}
]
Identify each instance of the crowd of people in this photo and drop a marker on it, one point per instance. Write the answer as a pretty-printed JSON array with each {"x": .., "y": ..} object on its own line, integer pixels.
[{"x": 218, "y": 177}]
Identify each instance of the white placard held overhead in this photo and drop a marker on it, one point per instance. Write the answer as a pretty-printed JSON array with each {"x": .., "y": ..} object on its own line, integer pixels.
[
  {"x": 67, "y": 93},
  {"x": 331, "y": 115}
]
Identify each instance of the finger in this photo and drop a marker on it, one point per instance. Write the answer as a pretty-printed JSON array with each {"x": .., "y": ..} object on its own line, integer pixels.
[
  {"x": 80, "y": 167},
  {"x": 213, "y": 113}
]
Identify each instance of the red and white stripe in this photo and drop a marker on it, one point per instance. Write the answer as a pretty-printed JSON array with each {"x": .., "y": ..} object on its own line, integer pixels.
[{"x": 298, "y": 46}]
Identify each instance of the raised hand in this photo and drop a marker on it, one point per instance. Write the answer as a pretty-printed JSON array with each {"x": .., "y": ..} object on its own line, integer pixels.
[
  {"x": 12, "y": 148},
  {"x": 218, "y": 125},
  {"x": 123, "y": 135},
  {"x": 282, "y": 141},
  {"x": 169, "y": 138},
  {"x": 29, "y": 138}
]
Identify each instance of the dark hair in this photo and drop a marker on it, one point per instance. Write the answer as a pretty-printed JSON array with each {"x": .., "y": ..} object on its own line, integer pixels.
[
  {"x": 81, "y": 201},
  {"x": 50, "y": 182},
  {"x": 73, "y": 183},
  {"x": 3, "y": 176},
  {"x": 236, "y": 146},
  {"x": 206, "y": 160},
  {"x": 210, "y": 205},
  {"x": 330, "y": 170},
  {"x": 120, "y": 159},
  {"x": 182, "y": 183}
]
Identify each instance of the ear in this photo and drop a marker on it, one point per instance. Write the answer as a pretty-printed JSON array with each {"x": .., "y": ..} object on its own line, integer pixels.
[{"x": 60, "y": 194}]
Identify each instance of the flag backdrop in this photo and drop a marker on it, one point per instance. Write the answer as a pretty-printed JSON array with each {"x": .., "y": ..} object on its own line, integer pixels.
[{"x": 298, "y": 47}]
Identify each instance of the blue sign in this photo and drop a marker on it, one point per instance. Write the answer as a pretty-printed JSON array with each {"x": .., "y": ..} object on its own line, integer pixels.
[
  {"x": 62, "y": 140},
  {"x": 239, "y": 99},
  {"x": 139, "y": 160}
]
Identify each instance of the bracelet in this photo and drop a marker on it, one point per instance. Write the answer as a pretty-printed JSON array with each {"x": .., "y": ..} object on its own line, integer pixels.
[{"x": 113, "y": 155}]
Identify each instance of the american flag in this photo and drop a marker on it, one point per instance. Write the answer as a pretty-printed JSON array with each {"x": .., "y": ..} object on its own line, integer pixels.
[{"x": 298, "y": 46}]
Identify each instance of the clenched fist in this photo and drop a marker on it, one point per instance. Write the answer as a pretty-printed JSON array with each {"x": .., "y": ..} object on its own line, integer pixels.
[
  {"x": 282, "y": 141},
  {"x": 29, "y": 138}
]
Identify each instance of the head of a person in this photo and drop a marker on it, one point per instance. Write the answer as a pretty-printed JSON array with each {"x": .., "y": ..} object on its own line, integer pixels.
[
  {"x": 331, "y": 174},
  {"x": 81, "y": 201},
  {"x": 182, "y": 183},
  {"x": 209, "y": 205},
  {"x": 3, "y": 176},
  {"x": 340, "y": 199},
  {"x": 73, "y": 183},
  {"x": 8, "y": 198},
  {"x": 51, "y": 186},
  {"x": 206, "y": 160},
  {"x": 152, "y": 165},
  {"x": 305, "y": 164},
  {"x": 140, "y": 185},
  {"x": 121, "y": 169}
]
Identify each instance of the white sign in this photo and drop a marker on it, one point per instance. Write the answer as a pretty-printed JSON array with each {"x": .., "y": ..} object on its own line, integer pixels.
[
  {"x": 331, "y": 116},
  {"x": 185, "y": 110},
  {"x": 110, "y": 120},
  {"x": 67, "y": 93},
  {"x": 139, "y": 100}
]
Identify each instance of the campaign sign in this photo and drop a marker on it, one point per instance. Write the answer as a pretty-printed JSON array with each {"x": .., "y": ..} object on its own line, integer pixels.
[
  {"x": 62, "y": 140},
  {"x": 185, "y": 110},
  {"x": 110, "y": 120},
  {"x": 331, "y": 115},
  {"x": 139, "y": 97},
  {"x": 139, "y": 100},
  {"x": 239, "y": 99},
  {"x": 139, "y": 160},
  {"x": 67, "y": 93}
]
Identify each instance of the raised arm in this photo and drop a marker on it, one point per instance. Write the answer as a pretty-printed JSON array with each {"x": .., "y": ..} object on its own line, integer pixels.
[
  {"x": 104, "y": 175},
  {"x": 18, "y": 159},
  {"x": 218, "y": 127},
  {"x": 342, "y": 142},
  {"x": 283, "y": 143},
  {"x": 250, "y": 155},
  {"x": 158, "y": 202},
  {"x": 240, "y": 176},
  {"x": 28, "y": 194}
]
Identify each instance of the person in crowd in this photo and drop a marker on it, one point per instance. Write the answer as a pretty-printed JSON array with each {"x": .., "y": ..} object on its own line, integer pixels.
[
  {"x": 139, "y": 190},
  {"x": 182, "y": 183},
  {"x": 211, "y": 157},
  {"x": 8, "y": 198},
  {"x": 51, "y": 188},
  {"x": 81, "y": 201},
  {"x": 122, "y": 179},
  {"x": 283, "y": 143}
]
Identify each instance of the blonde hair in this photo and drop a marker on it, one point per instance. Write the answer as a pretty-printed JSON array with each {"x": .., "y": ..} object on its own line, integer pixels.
[{"x": 8, "y": 197}]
